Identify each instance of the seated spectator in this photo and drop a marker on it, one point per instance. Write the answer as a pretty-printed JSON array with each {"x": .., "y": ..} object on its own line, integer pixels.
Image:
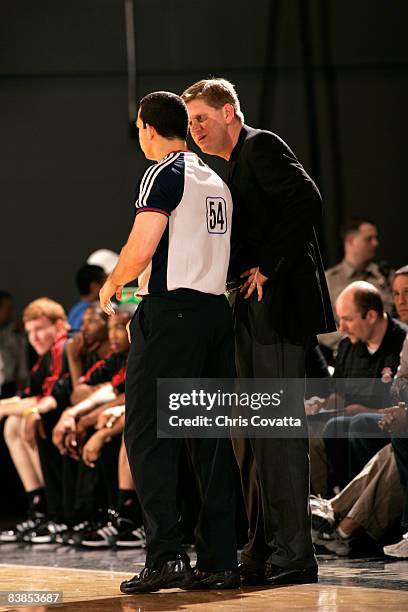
[
  {"x": 61, "y": 474},
  {"x": 400, "y": 293},
  {"x": 89, "y": 280},
  {"x": 360, "y": 241},
  {"x": 89, "y": 346},
  {"x": 123, "y": 527},
  {"x": 105, "y": 258},
  {"x": 13, "y": 357},
  {"x": 368, "y": 506},
  {"x": 104, "y": 382},
  {"x": 370, "y": 351},
  {"x": 76, "y": 425},
  {"x": 46, "y": 325},
  {"x": 109, "y": 423},
  {"x": 395, "y": 422}
]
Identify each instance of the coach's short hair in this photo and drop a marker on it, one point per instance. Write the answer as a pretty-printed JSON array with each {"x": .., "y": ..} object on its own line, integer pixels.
[
  {"x": 166, "y": 112},
  {"x": 215, "y": 92}
]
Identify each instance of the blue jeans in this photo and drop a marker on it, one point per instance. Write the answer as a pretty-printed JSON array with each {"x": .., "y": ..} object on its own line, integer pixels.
[{"x": 350, "y": 443}]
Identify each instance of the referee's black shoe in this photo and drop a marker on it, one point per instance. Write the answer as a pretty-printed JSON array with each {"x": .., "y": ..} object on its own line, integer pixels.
[
  {"x": 275, "y": 576},
  {"x": 172, "y": 574},
  {"x": 214, "y": 580}
]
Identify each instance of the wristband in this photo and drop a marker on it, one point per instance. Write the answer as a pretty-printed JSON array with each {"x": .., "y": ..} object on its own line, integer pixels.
[{"x": 31, "y": 410}]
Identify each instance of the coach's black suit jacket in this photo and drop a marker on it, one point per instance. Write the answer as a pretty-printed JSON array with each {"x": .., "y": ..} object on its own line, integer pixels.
[{"x": 276, "y": 209}]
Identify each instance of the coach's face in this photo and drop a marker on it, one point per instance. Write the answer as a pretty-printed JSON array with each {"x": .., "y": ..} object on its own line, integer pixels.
[{"x": 208, "y": 126}]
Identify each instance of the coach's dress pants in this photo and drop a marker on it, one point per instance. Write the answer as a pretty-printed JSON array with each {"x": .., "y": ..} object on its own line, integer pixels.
[
  {"x": 274, "y": 471},
  {"x": 180, "y": 334}
]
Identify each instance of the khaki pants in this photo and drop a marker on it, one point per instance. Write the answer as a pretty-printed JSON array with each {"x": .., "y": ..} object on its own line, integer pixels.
[{"x": 374, "y": 498}]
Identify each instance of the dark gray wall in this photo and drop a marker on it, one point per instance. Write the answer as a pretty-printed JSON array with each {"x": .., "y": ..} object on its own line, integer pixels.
[{"x": 68, "y": 165}]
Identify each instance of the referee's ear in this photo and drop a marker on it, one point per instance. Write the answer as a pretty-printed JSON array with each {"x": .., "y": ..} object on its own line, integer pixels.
[{"x": 151, "y": 132}]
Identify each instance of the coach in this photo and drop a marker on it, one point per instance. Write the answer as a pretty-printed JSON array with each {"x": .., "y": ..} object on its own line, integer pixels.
[{"x": 281, "y": 305}]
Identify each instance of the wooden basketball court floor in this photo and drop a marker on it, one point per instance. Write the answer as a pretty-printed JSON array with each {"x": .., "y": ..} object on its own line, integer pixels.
[{"x": 90, "y": 580}]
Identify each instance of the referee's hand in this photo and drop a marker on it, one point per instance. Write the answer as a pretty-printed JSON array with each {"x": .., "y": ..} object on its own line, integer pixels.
[{"x": 107, "y": 291}]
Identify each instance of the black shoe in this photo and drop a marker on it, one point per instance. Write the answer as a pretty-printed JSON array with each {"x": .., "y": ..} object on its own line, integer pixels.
[
  {"x": 172, "y": 574},
  {"x": 214, "y": 580},
  {"x": 275, "y": 575},
  {"x": 251, "y": 575}
]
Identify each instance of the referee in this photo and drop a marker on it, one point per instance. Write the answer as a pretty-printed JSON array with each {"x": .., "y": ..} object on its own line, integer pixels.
[{"x": 179, "y": 249}]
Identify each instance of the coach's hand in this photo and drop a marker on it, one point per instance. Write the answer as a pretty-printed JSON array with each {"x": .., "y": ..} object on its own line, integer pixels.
[
  {"x": 254, "y": 280},
  {"x": 108, "y": 290}
]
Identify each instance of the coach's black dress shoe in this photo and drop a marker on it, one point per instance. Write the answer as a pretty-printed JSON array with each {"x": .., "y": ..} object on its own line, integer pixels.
[
  {"x": 251, "y": 575},
  {"x": 214, "y": 580},
  {"x": 275, "y": 575},
  {"x": 172, "y": 574}
]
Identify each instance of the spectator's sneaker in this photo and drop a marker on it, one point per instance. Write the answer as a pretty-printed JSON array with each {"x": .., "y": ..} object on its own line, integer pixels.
[
  {"x": 16, "y": 534},
  {"x": 94, "y": 538},
  {"x": 129, "y": 538},
  {"x": 399, "y": 550},
  {"x": 334, "y": 542},
  {"x": 323, "y": 518},
  {"x": 45, "y": 533},
  {"x": 74, "y": 535},
  {"x": 117, "y": 531}
]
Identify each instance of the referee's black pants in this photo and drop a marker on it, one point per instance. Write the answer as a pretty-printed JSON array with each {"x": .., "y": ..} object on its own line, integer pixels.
[
  {"x": 180, "y": 334},
  {"x": 274, "y": 471}
]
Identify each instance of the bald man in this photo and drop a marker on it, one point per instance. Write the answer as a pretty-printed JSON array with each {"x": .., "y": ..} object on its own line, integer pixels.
[
  {"x": 366, "y": 363},
  {"x": 361, "y": 315}
]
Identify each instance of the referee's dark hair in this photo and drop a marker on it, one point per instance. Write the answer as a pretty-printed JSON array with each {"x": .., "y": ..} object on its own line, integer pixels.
[
  {"x": 368, "y": 299},
  {"x": 86, "y": 275},
  {"x": 166, "y": 112}
]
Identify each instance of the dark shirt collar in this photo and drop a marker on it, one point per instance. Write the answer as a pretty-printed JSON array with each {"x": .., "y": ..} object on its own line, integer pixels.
[
  {"x": 389, "y": 333},
  {"x": 237, "y": 149}
]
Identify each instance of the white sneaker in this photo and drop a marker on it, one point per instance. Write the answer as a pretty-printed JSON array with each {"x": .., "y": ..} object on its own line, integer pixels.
[
  {"x": 334, "y": 543},
  {"x": 323, "y": 518},
  {"x": 399, "y": 550}
]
